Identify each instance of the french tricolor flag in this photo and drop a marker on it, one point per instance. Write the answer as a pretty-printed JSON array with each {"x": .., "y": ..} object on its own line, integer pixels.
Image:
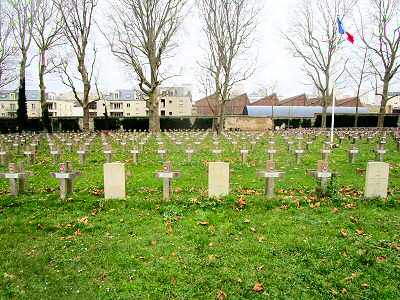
[{"x": 350, "y": 37}]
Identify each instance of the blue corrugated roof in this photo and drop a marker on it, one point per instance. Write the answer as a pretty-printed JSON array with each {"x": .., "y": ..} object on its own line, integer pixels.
[{"x": 297, "y": 111}]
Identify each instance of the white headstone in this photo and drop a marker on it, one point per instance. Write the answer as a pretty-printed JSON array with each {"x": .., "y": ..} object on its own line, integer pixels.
[
  {"x": 114, "y": 181},
  {"x": 377, "y": 179},
  {"x": 218, "y": 179}
]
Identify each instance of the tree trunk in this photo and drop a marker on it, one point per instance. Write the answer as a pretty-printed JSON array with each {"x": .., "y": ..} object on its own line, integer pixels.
[
  {"x": 43, "y": 104},
  {"x": 382, "y": 109},
  {"x": 215, "y": 122},
  {"x": 154, "y": 117},
  {"x": 22, "y": 113},
  {"x": 86, "y": 119},
  {"x": 323, "y": 119},
  {"x": 222, "y": 118}
]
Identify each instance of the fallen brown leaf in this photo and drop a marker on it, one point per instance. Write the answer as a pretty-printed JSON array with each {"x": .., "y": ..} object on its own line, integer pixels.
[
  {"x": 221, "y": 295},
  {"x": 360, "y": 231},
  {"x": 84, "y": 220},
  {"x": 239, "y": 280},
  {"x": 344, "y": 291},
  {"x": 335, "y": 210},
  {"x": 253, "y": 229},
  {"x": 381, "y": 258},
  {"x": 246, "y": 221},
  {"x": 364, "y": 285},
  {"x": 352, "y": 277},
  {"x": 9, "y": 276},
  {"x": 352, "y": 219},
  {"x": 258, "y": 287},
  {"x": 153, "y": 243},
  {"x": 204, "y": 223},
  {"x": 261, "y": 239},
  {"x": 169, "y": 231},
  {"x": 342, "y": 232}
]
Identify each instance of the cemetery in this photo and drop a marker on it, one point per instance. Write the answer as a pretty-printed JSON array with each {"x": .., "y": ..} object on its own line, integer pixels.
[{"x": 190, "y": 215}]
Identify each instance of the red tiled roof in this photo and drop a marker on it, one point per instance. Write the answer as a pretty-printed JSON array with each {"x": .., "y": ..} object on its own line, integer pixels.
[
  {"x": 271, "y": 100},
  {"x": 234, "y": 106}
]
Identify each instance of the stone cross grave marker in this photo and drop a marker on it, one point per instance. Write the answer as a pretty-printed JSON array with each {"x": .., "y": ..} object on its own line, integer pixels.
[
  {"x": 135, "y": 153},
  {"x": 216, "y": 151},
  {"x": 325, "y": 152},
  {"x": 270, "y": 174},
  {"x": 289, "y": 145},
  {"x": 56, "y": 154},
  {"x": 253, "y": 145},
  {"x": 298, "y": 152},
  {"x": 162, "y": 152},
  {"x": 353, "y": 151},
  {"x": 234, "y": 143},
  {"x": 309, "y": 143},
  {"x": 13, "y": 176},
  {"x": 271, "y": 153},
  {"x": 66, "y": 177},
  {"x": 82, "y": 154},
  {"x": 189, "y": 151},
  {"x": 322, "y": 174},
  {"x": 108, "y": 152},
  {"x": 380, "y": 152},
  {"x": 30, "y": 156},
  {"x": 377, "y": 179},
  {"x": 114, "y": 180},
  {"x": 243, "y": 154},
  {"x": 218, "y": 179},
  {"x": 167, "y": 174},
  {"x": 4, "y": 156}
]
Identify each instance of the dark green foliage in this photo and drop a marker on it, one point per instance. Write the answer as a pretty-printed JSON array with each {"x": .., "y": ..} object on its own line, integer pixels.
[
  {"x": 106, "y": 123},
  {"x": 46, "y": 121},
  {"x": 8, "y": 125},
  {"x": 202, "y": 123},
  {"x": 168, "y": 123},
  {"x": 138, "y": 123},
  {"x": 22, "y": 113},
  {"x": 69, "y": 124},
  {"x": 343, "y": 121}
]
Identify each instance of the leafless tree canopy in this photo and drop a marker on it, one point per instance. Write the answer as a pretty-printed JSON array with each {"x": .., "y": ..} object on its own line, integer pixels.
[
  {"x": 313, "y": 37},
  {"x": 380, "y": 33},
  {"x": 141, "y": 35},
  {"x": 78, "y": 19},
  {"x": 8, "y": 49},
  {"x": 229, "y": 27}
]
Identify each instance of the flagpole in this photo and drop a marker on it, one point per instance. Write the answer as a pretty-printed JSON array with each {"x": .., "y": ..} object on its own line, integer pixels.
[{"x": 333, "y": 113}]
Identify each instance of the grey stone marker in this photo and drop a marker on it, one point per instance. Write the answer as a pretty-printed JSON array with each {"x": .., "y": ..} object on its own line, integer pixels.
[
  {"x": 66, "y": 177},
  {"x": 4, "y": 156},
  {"x": 216, "y": 151},
  {"x": 322, "y": 174},
  {"x": 135, "y": 153},
  {"x": 243, "y": 154},
  {"x": 167, "y": 174},
  {"x": 325, "y": 152},
  {"x": 270, "y": 174},
  {"x": 162, "y": 152},
  {"x": 30, "y": 156},
  {"x": 108, "y": 152},
  {"x": 309, "y": 143},
  {"x": 13, "y": 176},
  {"x": 271, "y": 153},
  {"x": 234, "y": 143},
  {"x": 377, "y": 179},
  {"x": 82, "y": 154},
  {"x": 218, "y": 179},
  {"x": 380, "y": 152},
  {"x": 56, "y": 155},
  {"x": 289, "y": 146},
  {"x": 298, "y": 152},
  {"x": 189, "y": 151},
  {"x": 353, "y": 151},
  {"x": 114, "y": 180}
]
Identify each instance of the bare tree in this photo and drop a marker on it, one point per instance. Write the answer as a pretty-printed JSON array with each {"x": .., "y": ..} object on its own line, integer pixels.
[
  {"x": 141, "y": 36},
  {"x": 380, "y": 33},
  {"x": 77, "y": 17},
  {"x": 8, "y": 50},
  {"x": 23, "y": 12},
  {"x": 47, "y": 35},
  {"x": 230, "y": 28},
  {"x": 358, "y": 74},
  {"x": 313, "y": 37}
]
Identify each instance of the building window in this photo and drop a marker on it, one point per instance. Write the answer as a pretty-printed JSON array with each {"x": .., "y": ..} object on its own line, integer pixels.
[
  {"x": 128, "y": 105},
  {"x": 163, "y": 112},
  {"x": 116, "y": 105},
  {"x": 128, "y": 96},
  {"x": 170, "y": 113},
  {"x": 116, "y": 96},
  {"x": 33, "y": 106},
  {"x": 12, "y": 96},
  {"x": 3, "y": 114},
  {"x": 2, "y": 105},
  {"x": 162, "y": 103},
  {"x": 181, "y": 113},
  {"x": 170, "y": 101},
  {"x": 137, "y": 108},
  {"x": 128, "y": 114},
  {"x": 12, "y": 106},
  {"x": 137, "y": 103}
]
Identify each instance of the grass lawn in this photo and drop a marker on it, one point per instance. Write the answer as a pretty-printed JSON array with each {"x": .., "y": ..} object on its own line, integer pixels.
[{"x": 242, "y": 246}]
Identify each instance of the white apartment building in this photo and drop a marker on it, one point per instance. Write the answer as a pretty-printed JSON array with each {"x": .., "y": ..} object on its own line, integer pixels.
[
  {"x": 9, "y": 104},
  {"x": 174, "y": 101}
]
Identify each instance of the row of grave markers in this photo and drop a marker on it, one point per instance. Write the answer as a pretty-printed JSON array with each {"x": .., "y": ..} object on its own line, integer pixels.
[{"x": 377, "y": 178}]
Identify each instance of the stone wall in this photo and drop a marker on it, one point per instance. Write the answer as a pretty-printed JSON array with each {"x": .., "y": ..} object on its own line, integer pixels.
[{"x": 248, "y": 123}]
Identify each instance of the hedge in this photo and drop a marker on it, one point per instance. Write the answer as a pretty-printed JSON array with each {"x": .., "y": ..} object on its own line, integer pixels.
[{"x": 363, "y": 120}]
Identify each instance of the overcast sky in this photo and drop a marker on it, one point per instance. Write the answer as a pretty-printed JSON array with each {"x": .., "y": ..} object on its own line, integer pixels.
[{"x": 274, "y": 61}]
